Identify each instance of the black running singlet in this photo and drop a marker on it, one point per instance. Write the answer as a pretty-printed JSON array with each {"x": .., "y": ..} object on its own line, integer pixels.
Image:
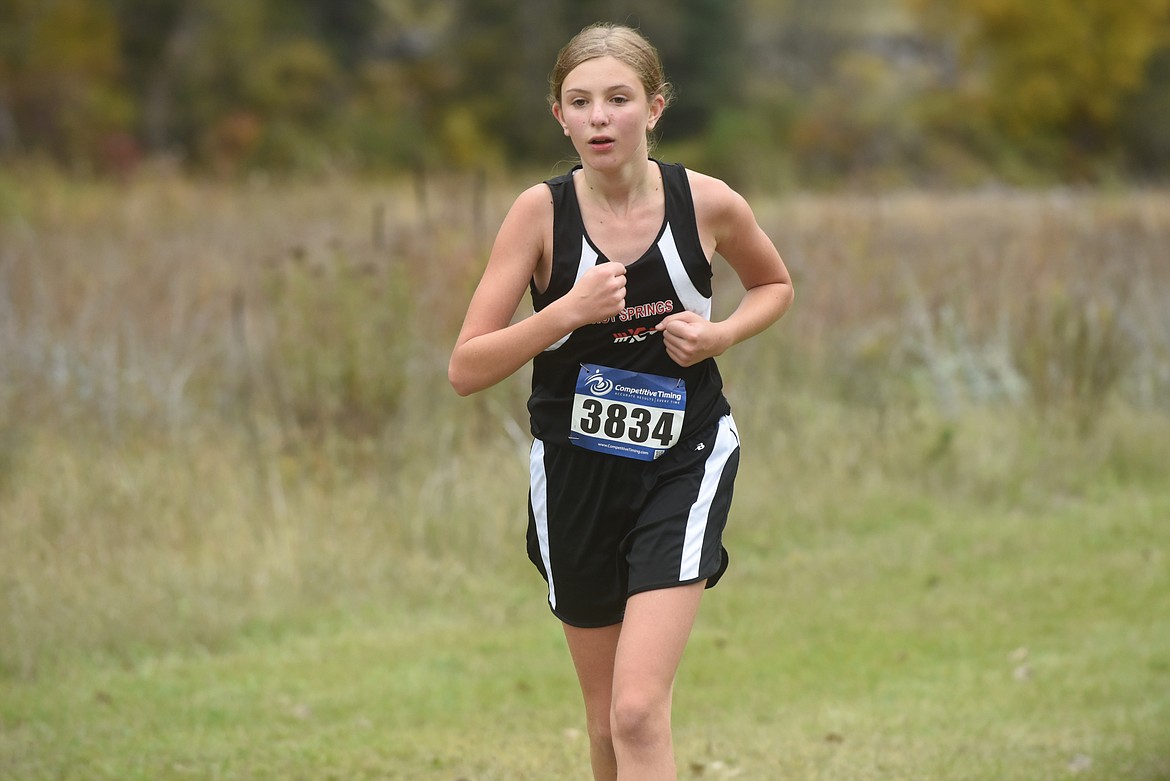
[{"x": 671, "y": 276}]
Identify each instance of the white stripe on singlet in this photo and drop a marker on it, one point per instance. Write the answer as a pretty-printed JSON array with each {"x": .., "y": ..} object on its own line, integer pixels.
[
  {"x": 692, "y": 300},
  {"x": 726, "y": 441},
  {"x": 538, "y": 483},
  {"x": 587, "y": 261}
]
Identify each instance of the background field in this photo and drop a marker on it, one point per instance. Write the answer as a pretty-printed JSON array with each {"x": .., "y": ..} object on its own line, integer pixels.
[{"x": 249, "y": 532}]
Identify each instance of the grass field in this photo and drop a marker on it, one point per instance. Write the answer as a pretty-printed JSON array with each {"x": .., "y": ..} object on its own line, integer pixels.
[{"x": 249, "y": 533}]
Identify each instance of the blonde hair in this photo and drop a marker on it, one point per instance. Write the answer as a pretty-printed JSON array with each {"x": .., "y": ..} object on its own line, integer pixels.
[{"x": 625, "y": 44}]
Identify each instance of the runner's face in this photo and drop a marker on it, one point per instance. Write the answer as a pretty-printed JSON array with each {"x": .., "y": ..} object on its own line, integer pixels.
[{"x": 604, "y": 109}]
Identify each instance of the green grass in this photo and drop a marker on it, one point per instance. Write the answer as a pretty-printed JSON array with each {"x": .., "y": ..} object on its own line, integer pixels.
[{"x": 947, "y": 642}]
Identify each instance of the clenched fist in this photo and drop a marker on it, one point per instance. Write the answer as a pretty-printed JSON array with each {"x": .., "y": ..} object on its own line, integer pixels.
[
  {"x": 600, "y": 293},
  {"x": 690, "y": 338}
]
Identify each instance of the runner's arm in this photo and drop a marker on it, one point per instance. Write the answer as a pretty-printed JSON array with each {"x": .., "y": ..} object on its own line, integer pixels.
[
  {"x": 490, "y": 347},
  {"x": 728, "y": 227}
]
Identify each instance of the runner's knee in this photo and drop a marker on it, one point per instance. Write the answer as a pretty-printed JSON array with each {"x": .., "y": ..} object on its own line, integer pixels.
[{"x": 639, "y": 717}]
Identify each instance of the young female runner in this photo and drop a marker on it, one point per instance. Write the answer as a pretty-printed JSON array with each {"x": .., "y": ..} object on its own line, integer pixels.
[{"x": 634, "y": 451}]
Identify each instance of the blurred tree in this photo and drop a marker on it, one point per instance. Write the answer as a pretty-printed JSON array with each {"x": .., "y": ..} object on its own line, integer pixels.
[
  {"x": 504, "y": 50},
  {"x": 59, "y": 65},
  {"x": 1145, "y": 121},
  {"x": 292, "y": 81},
  {"x": 860, "y": 126},
  {"x": 186, "y": 67},
  {"x": 403, "y": 89},
  {"x": 346, "y": 28},
  {"x": 154, "y": 34},
  {"x": 235, "y": 84},
  {"x": 1052, "y": 74},
  {"x": 219, "y": 48},
  {"x": 711, "y": 82},
  {"x": 765, "y": 89},
  {"x": 291, "y": 85}
]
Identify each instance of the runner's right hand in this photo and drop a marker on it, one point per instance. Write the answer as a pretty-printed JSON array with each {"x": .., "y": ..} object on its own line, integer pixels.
[{"x": 600, "y": 293}]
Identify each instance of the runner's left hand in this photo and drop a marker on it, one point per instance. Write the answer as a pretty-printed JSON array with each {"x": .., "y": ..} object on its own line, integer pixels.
[{"x": 690, "y": 338}]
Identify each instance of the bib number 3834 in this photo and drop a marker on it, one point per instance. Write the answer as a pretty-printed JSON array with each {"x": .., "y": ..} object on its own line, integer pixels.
[{"x": 627, "y": 413}]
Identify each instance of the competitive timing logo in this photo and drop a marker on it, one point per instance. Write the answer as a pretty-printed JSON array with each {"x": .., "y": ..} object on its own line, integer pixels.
[{"x": 599, "y": 385}]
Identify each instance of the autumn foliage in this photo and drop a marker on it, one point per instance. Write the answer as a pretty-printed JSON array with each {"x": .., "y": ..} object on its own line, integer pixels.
[{"x": 802, "y": 92}]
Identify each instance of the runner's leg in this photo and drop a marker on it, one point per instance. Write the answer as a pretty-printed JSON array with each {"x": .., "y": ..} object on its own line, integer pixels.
[
  {"x": 593, "y": 652},
  {"x": 653, "y": 637}
]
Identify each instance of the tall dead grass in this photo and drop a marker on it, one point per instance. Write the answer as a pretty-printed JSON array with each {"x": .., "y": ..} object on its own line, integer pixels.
[
  {"x": 223, "y": 404},
  {"x": 1053, "y": 300}
]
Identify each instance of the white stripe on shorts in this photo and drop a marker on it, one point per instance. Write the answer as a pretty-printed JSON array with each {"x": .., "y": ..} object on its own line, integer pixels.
[
  {"x": 726, "y": 441},
  {"x": 538, "y": 483}
]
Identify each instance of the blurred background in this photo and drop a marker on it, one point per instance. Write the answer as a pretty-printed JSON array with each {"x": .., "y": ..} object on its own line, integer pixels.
[{"x": 770, "y": 92}]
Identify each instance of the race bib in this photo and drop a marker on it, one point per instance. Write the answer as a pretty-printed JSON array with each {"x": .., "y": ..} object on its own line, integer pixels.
[{"x": 627, "y": 413}]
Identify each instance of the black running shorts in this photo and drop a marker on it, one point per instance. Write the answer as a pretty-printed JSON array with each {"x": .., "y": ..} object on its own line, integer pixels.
[{"x": 602, "y": 527}]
